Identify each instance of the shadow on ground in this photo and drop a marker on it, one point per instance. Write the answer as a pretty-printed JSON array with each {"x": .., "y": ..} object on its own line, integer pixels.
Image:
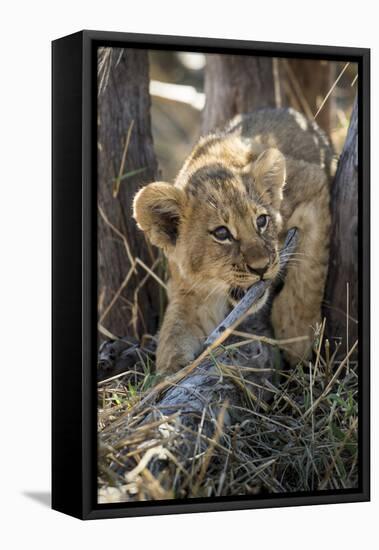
[{"x": 42, "y": 497}]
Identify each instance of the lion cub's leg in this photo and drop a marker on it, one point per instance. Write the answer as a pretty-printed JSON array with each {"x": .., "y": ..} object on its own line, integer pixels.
[
  {"x": 180, "y": 338},
  {"x": 297, "y": 309},
  {"x": 188, "y": 320}
]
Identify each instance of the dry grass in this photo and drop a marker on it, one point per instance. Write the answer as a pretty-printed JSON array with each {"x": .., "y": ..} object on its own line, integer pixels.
[{"x": 303, "y": 438}]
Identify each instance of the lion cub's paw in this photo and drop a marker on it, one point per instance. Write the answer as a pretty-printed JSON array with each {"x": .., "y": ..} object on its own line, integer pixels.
[{"x": 171, "y": 361}]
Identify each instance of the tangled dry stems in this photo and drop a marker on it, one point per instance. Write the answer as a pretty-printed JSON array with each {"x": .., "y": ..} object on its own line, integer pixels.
[{"x": 303, "y": 438}]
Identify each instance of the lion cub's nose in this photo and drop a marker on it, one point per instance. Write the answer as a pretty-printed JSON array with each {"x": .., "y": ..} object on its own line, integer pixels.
[
  {"x": 256, "y": 259},
  {"x": 260, "y": 271}
]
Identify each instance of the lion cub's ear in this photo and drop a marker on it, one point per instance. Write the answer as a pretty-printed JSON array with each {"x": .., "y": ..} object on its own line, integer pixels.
[
  {"x": 269, "y": 172},
  {"x": 157, "y": 208}
]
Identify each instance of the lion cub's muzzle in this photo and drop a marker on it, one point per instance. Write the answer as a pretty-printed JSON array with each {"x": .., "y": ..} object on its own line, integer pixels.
[
  {"x": 245, "y": 276},
  {"x": 257, "y": 259},
  {"x": 257, "y": 270}
]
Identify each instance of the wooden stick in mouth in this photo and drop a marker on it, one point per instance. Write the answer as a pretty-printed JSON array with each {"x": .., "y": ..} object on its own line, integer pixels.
[{"x": 254, "y": 293}]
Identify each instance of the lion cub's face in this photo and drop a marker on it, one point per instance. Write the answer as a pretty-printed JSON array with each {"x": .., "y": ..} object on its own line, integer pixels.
[{"x": 219, "y": 225}]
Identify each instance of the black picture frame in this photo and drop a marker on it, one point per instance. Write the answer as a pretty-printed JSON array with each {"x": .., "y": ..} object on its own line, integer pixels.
[{"x": 74, "y": 313}]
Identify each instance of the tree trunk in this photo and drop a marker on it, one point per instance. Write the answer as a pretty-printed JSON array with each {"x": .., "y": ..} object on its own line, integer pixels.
[
  {"x": 236, "y": 84},
  {"x": 341, "y": 296},
  {"x": 125, "y": 148}
]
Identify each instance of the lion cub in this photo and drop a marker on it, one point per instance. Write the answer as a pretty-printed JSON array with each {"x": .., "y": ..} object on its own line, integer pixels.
[{"x": 222, "y": 224}]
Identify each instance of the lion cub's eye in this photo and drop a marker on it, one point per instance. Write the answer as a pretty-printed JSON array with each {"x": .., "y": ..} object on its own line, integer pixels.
[
  {"x": 262, "y": 222},
  {"x": 222, "y": 233}
]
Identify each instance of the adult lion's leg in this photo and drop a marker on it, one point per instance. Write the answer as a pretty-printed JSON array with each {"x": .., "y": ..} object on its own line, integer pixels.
[{"x": 297, "y": 309}]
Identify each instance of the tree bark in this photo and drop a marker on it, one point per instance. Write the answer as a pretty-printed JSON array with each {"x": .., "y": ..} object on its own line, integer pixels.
[
  {"x": 341, "y": 295},
  {"x": 236, "y": 84},
  {"x": 124, "y": 130}
]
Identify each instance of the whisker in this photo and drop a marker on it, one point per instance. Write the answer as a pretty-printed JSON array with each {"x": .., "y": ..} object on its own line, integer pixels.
[
  {"x": 293, "y": 264},
  {"x": 214, "y": 289},
  {"x": 288, "y": 254}
]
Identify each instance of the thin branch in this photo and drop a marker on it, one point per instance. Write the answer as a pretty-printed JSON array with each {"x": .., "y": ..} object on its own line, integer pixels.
[
  {"x": 118, "y": 293},
  {"x": 117, "y": 182},
  {"x": 297, "y": 88},
  {"x": 277, "y": 90},
  {"x": 119, "y": 233},
  {"x": 106, "y": 332},
  {"x": 331, "y": 90}
]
